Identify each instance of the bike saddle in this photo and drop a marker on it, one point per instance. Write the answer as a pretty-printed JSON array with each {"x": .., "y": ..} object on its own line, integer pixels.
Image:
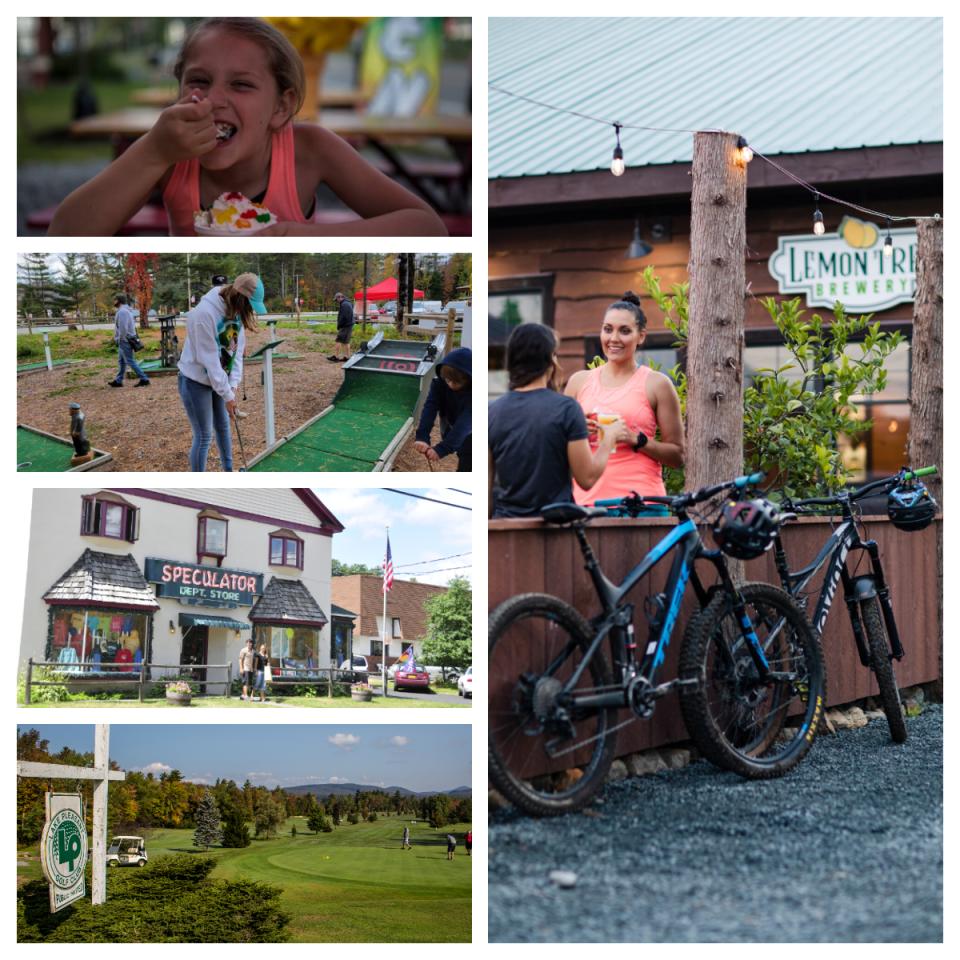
[{"x": 569, "y": 512}]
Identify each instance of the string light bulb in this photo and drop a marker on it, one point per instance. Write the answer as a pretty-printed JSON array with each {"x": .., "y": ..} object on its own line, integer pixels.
[
  {"x": 617, "y": 166},
  {"x": 888, "y": 243},
  {"x": 818, "y": 226},
  {"x": 746, "y": 151}
]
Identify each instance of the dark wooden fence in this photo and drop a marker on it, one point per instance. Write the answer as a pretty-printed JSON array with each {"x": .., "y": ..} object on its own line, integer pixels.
[{"x": 529, "y": 556}]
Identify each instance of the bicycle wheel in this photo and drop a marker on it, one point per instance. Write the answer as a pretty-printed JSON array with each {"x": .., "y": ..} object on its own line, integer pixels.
[
  {"x": 882, "y": 666},
  {"x": 739, "y": 722},
  {"x": 545, "y": 757}
]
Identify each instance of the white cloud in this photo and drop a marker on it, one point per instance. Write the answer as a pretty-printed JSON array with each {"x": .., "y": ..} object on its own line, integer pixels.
[
  {"x": 344, "y": 740},
  {"x": 399, "y": 741},
  {"x": 156, "y": 768},
  {"x": 335, "y": 780}
]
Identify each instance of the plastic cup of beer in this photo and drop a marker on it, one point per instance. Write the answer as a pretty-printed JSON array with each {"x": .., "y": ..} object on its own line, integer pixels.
[{"x": 606, "y": 419}]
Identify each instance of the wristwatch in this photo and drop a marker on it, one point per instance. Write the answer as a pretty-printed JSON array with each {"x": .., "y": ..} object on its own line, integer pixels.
[{"x": 641, "y": 441}]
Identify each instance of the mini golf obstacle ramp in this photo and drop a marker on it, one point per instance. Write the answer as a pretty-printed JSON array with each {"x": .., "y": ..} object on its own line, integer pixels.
[
  {"x": 38, "y": 451},
  {"x": 384, "y": 387},
  {"x": 42, "y": 365}
]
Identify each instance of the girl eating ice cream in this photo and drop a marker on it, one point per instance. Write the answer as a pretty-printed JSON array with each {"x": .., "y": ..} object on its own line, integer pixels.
[{"x": 232, "y": 132}]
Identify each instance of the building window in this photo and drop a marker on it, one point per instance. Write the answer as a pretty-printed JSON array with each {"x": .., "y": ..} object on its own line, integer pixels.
[
  {"x": 376, "y": 648},
  {"x": 211, "y": 536},
  {"x": 511, "y": 302},
  {"x": 87, "y": 640},
  {"x": 286, "y": 549},
  {"x": 290, "y": 649},
  {"x": 397, "y": 629},
  {"x": 341, "y": 641},
  {"x": 109, "y": 515}
]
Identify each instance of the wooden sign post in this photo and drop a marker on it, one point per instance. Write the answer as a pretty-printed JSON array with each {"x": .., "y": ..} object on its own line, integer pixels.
[{"x": 101, "y": 774}]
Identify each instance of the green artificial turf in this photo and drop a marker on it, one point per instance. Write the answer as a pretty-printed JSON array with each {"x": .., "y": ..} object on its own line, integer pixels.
[{"x": 36, "y": 452}]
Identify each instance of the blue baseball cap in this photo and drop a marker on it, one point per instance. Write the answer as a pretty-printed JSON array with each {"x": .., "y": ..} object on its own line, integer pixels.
[{"x": 251, "y": 286}]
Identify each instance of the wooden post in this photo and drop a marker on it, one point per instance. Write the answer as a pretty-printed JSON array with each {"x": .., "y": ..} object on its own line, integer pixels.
[
  {"x": 451, "y": 322},
  {"x": 26, "y": 686},
  {"x": 714, "y": 450},
  {"x": 101, "y": 762},
  {"x": 330, "y": 687},
  {"x": 229, "y": 680},
  {"x": 926, "y": 392},
  {"x": 143, "y": 679}
]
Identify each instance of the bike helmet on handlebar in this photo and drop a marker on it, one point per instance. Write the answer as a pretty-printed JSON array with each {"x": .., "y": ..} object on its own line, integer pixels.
[
  {"x": 910, "y": 506},
  {"x": 746, "y": 528}
]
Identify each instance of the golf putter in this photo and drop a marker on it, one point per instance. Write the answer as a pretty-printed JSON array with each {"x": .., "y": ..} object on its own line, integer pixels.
[{"x": 243, "y": 455}]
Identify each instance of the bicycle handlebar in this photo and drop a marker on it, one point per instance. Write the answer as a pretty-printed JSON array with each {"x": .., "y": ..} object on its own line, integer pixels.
[
  {"x": 636, "y": 500},
  {"x": 861, "y": 492}
]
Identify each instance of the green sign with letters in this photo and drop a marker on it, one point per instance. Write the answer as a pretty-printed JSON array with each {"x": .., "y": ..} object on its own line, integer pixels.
[{"x": 63, "y": 849}]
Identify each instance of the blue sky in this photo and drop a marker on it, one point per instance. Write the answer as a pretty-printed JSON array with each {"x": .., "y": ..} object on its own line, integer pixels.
[
  {"x": 417, "y": 756},
  {"x": 420, "y": 530}
]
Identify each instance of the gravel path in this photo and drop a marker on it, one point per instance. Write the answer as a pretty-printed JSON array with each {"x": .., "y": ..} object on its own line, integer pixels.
[{"x": 848, "y": 847}]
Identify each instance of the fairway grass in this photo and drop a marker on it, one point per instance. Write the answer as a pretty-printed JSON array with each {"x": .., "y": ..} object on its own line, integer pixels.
[{"x": 354, "y": 885}]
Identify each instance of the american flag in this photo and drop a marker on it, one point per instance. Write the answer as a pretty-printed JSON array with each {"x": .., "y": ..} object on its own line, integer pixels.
[{"x": 388, "y": 568}]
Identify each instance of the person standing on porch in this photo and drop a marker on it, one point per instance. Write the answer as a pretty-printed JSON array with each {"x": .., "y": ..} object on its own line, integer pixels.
[{"x": 248, "y": 659}]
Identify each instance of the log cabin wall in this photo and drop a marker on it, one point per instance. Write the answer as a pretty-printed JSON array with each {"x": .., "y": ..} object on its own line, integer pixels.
[
  {"x": 581, "y": 253},
  {"x": 529, "y": 556}
]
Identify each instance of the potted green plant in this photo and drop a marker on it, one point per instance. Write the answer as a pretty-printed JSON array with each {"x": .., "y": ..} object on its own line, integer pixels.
[
  {"x": 362, "y": 692},
  {"x": 179, "y": 692}
]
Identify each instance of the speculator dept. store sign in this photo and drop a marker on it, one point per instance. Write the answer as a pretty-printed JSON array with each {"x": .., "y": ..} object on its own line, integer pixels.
[
  {"x": 63, "y": 849},
  {"x": 208, "y": 586},
  {"x": 848, "y": 265}
]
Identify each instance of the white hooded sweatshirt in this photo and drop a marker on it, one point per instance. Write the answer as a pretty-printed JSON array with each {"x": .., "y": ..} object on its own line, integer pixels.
[{"x": 211, "y": 335}]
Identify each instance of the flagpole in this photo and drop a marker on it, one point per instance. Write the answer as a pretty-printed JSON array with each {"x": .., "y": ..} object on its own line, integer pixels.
[{"x": 383, "y": 637}]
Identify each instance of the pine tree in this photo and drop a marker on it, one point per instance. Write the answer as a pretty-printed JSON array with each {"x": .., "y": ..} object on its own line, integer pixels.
[
  {"x": 235, "y": 832},
  {"x": 207, "y": 818},
  {"x": 316, "y": 819}
]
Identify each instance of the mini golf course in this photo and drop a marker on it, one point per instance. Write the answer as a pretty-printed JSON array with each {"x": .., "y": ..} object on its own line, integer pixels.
[
  {"x": 352, "y": 885},
  {"x": 41, "y": 451},
  {"x": 384, "y": 386}
]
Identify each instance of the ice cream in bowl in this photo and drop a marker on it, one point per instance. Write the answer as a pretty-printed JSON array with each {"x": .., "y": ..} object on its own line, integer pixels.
[{"x": 232, "y": 214}]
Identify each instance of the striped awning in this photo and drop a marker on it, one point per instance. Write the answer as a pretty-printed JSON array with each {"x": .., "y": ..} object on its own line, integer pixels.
[{"x": 200, "y": 620}]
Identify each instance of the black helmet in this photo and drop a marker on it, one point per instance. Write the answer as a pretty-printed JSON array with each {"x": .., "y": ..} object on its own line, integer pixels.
[
  {"x": 746, "y": 528},
  {"x": 910, "y": 506}
]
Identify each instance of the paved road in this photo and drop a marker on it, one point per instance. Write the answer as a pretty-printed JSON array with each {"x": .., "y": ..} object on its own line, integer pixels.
[
  {"x": 848, "y": 847},
  {"x": 431, "y": 697}
]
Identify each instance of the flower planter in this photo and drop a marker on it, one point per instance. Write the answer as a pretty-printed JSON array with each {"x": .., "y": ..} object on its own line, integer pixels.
[
  {"x": 181, "y": 699},
  {"x": 364, "y": 696}
]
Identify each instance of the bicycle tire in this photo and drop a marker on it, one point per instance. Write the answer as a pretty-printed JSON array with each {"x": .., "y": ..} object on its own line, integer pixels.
[
  {"x": 882, "y": 667},
  {"x": 526, "y": 634},
  {"x": 757, "y": 731}
]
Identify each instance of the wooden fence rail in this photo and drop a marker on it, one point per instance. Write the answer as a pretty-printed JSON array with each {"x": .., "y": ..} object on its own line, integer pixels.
[{"x": 530, "y": 556}]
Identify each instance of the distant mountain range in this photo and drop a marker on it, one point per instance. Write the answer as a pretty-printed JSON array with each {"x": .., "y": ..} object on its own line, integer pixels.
[{"x": 325, "y": 789}]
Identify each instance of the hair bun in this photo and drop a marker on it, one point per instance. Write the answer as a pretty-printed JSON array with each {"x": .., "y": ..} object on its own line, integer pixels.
[{"x": 631, "y": 297}]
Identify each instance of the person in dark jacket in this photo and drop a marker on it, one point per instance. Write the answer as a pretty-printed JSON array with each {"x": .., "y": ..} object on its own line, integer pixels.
[
  {"x": 449, "y": 398},
  {"x": 344, "y": 329}
]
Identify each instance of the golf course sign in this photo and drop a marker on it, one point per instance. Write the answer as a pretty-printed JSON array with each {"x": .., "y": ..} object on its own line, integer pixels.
[{"x": 63, "y": 849}]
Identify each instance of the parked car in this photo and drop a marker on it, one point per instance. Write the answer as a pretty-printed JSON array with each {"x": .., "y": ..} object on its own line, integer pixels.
[
  {"x": 356, "y": 669},
  {"x": 127, "y": 852},
  {"x": 372, "y": 312},
  {"x": 457, "y": 305},
  {"x": 427, "y": 306},
  {"x": 465, "y": 684},
  {"x": 443, "y": 673},
  {"x": 410, "y": 678},
  {"x": 389, "y": 309}
]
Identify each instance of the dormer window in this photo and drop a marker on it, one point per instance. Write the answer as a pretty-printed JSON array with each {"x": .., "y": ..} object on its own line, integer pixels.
[
  {"x": 286, "y": 549},
  {"x": 211, "y": 536},
  {"x": 107, "y": 514}
]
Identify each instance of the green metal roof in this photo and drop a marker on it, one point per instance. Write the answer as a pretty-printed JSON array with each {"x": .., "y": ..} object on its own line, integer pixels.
[
  {"x": 789, "y": 85},
  {"x": 201, "y": 620}
]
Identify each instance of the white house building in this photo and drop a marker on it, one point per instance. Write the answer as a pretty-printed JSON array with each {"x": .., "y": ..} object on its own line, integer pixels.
[{"x": 180, "y": 578}]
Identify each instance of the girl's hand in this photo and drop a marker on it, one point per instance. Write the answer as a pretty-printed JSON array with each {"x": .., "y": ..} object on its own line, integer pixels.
[
  {"x": 184, "y": 130},
  {"x": 421, "y": 447},
  {"x": 625, "y": 434},
  {"x": 231, "y": 406},
  {"x": 593, "y": 426},
  {"x": 432, "y": 454}
]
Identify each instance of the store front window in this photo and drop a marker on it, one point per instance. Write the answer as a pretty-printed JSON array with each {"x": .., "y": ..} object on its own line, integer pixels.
[
  {"x": 98, "y": 637},
  {"x": 341, "y": 641},
  {"x": 289, "y": 647}
]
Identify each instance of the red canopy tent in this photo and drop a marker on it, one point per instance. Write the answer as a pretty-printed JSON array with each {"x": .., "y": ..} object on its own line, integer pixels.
[{"x": 385, "y": 290}]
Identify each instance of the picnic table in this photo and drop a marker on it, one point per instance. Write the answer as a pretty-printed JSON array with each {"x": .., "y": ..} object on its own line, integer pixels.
[
  {"x": 163, "y": 96},
  {"x": 383, "y": 134}
]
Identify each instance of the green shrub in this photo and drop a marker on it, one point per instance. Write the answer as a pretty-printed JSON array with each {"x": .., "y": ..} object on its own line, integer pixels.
[
  {"x": 171, "y": 900},
  {"x": 56, "y": 694},
  {"x": 235, "y": 832}
]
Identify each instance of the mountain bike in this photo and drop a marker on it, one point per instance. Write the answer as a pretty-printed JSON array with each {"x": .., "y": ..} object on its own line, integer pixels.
[
  {"x": 866, "y": 595},
  {"x": 751, "y": 675}
]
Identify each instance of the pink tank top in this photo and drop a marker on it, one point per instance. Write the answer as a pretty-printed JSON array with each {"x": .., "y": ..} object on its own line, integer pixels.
[
  {"x": 626, "y": 469},
  {"x": 181, "y": 197}
]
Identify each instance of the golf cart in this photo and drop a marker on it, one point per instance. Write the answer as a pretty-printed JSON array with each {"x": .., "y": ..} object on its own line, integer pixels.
[{"x": 127, "y": 852}]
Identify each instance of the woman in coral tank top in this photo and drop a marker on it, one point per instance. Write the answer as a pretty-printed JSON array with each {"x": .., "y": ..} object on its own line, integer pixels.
[{"x": 646, "y": 401}]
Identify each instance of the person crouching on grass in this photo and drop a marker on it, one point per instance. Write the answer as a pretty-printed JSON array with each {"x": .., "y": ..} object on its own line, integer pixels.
[
  {"x": 450, "y": 399},
  {"x": 233, "y": 130}
]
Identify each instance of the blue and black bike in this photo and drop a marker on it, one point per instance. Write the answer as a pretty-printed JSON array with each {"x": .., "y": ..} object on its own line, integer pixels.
[{"x": 751, "y": 678}]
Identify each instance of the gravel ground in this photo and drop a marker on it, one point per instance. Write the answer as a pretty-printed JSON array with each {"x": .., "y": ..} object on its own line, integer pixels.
[
  {"x": 146, "y": 428},
  {"x": 848, "y": 847}
]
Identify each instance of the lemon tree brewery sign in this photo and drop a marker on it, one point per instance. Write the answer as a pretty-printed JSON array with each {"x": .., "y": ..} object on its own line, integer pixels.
[
  {"x": 63, "y": 849},
  {"x": 849, "y": 265},
  {"x": 208, "y": 586}
]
